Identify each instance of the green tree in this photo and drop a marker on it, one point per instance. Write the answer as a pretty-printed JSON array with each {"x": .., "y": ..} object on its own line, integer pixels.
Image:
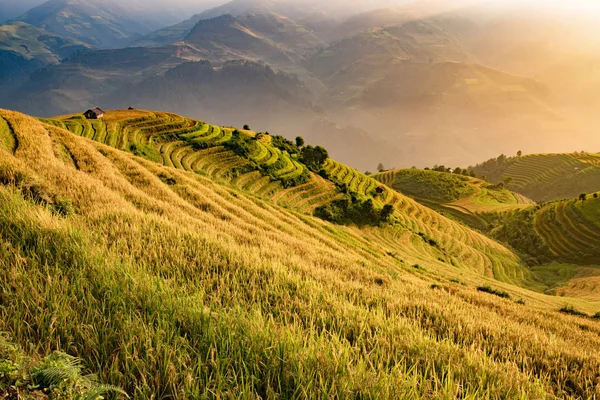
[
  {"x": 387, "y": 212},
  {"x": 519, "y": 153},
  {"x": 299, "y": 141},
  {"x": 314, "y": 157},
  {"x": 595, "y": 195},
  {"x": 246, "y": 127},
  {"x": 458, "y": 171},
  {"x": 380, "y": 167},
  {"x": 583, "y": 197}
]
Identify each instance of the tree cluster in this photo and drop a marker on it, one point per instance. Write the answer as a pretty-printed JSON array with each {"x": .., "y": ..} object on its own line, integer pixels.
[
  {"x": 314, "y": 157},
  {"x": 353, "y": 210}
]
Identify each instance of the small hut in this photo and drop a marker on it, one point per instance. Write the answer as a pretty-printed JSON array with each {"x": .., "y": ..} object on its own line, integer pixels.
[{"x": 94, "y": 113}]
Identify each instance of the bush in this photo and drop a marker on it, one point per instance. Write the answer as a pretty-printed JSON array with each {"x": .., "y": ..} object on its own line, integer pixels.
[
  {"x": 518, "y": 231},
  {"x": 242, "y": 145},
  {"x": 571, "y": 310},
  {"x": 314, "y": 157},
  {"x": 56, "y": 376},
  {"x": 495, "y": 292},
  {"x": 285, "y": 145},
  {"x": 351, "y": 210},
  {"x": 63, "y": 207}
]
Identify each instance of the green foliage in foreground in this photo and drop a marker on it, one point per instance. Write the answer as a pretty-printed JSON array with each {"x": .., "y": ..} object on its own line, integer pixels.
[{"x": 57, "y": 375}]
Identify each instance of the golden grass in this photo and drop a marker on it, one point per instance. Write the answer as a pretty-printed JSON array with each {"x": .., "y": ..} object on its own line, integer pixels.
[{"x": 172, "y": 286}]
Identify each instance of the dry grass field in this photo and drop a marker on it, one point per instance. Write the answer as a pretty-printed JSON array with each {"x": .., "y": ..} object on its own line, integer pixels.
[{"x": 175, "y": 282}]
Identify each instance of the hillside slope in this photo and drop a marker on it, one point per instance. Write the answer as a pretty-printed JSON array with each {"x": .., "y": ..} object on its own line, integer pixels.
[
  {"x": 102, "y": 25},
  {"x": 546, "y": 177},
  {"x": 467, "y": 199},
  {"x": 195, "y": 288},
  {"x": 571, "y": 228},
  {"x": 35, "y": 43},
  {"x": 273, "y": 174}
]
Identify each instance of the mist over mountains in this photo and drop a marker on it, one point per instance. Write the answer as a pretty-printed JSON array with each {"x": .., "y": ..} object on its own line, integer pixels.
[{"x": 415, "y": 83}]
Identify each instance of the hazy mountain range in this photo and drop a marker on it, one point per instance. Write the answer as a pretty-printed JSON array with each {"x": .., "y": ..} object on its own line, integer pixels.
[{"x": 416, "y": 83}]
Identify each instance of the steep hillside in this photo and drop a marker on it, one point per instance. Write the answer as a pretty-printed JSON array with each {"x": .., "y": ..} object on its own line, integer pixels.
[
  {"x": 186, "y": 281},
  {"x": 25, "y": 49},
  {"x": 268, "y": 37},
  {"x": 12, "y": 9},
  {"x": 562, "y": 238},
  {"x": 304, "y": 16},
  {"x": 275, "y": 174},
  {"x": 467, "y": 199},
  {"x": 571, "y": 229},
  {"x": 546, "y": 177},
  {"x": 104, "y": 25},
  {"x": 377, "y": 51},
  {"x": 35, "y": 43}
]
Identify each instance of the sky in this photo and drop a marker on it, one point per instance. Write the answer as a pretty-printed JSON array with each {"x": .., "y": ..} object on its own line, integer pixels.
[{"x": 186, "y": 8}]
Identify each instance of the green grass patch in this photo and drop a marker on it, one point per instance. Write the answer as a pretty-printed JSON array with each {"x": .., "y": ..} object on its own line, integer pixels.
[{"x": 147, "y": 152}]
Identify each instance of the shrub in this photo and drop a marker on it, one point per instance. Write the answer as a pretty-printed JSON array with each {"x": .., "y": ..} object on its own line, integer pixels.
[
  {"x": 351, "y": 210},
  {"x": 242, "y": 145},
  {"x": 63, "y": 207},
  {"x": 285, "y": 145},
  {"x": 314, "y": 157},
  {"x": 571, "y": 310},
  {"x": 495, "y": 292},
  {"x": 56, "y": 376},
  {"x": 387, "y": 212}
]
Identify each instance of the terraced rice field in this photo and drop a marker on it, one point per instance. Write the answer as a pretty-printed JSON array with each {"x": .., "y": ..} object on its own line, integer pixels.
[
  {"x": 467, "y": 199},
  {"x": 546, "y": 167},
  {"x": 549, "y": 177},
  {"x": 355, "y": 180},
  {"x": 196, "y": 146},
  {"x": 571, "y": 229}
]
